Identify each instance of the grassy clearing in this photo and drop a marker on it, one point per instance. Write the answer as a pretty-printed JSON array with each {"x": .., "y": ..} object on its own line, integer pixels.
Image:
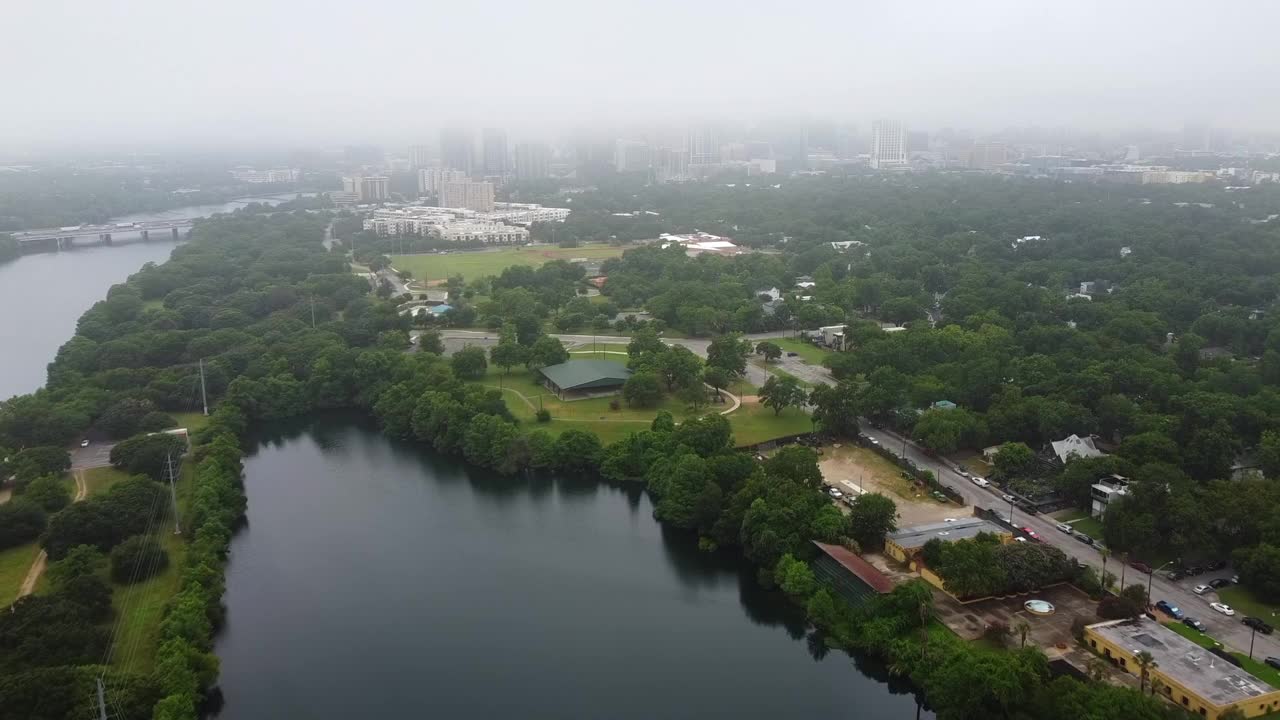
[
  {"x": 754, "y": 423},
  {"x": 1257, "y": 668},
  {"x": 139, "y": 608},
  {"x": 14, "y": 564},
  {"x": 741, "y": 387},
  {"x": 100, "y": 479},
  {"x": 1070, "y": 516},
  {"x": 473, "y": 264},
  {"x": 1089, "y": 526},
  {"x": 977, "y": 465},
  {"x": 192, "y": 421},
  {"x": 1243, "y": 600},
  {"x": 808, "y": 352}
]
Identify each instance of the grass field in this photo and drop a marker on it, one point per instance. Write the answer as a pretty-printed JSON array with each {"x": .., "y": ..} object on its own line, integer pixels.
[
  {"x": 139, "y": 608},
  {"x": 14, "y": 563},
  {"x": 810, "y": 353},
  {"x": 100, "y": 479},
  {"x": 1089, "y": 526},
  {"x": 192, "y": 421},
  {"x": 473, "y": 264},
  {"x": 1259, "y": 669},
  {"x": 1240, "y": 598}
]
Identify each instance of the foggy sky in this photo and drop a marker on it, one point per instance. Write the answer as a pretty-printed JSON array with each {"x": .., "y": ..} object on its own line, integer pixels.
[{"x": 263, "y": 72}]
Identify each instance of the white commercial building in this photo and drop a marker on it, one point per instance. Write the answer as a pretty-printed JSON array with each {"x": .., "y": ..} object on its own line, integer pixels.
[
  {"x": 368, "y": 188},
  {"x": 274, "y": 175},
  {"x": 488, "y": 233},
  {"x": 525, "y": 213},
  {"x": 888, "y": 144},
  {"x": 476, "y": 196},
  {"x": 697, "y": 243}
]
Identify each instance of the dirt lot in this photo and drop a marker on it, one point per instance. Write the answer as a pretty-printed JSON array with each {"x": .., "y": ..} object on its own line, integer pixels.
[{"x": 849, "y": 467}]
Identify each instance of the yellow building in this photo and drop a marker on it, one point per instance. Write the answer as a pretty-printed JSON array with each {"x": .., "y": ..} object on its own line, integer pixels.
[
  {"x": 905, "y": 544},
  {"x": 1185, "y": 673}
]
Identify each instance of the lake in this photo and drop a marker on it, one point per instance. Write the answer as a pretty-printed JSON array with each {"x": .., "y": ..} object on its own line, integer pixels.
[{"x": 376, "y": 579}]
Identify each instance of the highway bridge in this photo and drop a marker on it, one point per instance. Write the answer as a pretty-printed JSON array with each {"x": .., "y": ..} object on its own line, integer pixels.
[{"x": 66, "y": 237}]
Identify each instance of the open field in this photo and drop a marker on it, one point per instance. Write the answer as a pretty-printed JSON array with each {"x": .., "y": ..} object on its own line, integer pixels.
[
  {"x": 809, "y": 352},
  {"x": 100, "y": 479},
  {"x": 14, "y": 564},
  {"x": 860, "y": 467},
  {"x": 473, "y": 264},
  {"x": 192, "y": 421},
  {"x": 139, "y": 608}
]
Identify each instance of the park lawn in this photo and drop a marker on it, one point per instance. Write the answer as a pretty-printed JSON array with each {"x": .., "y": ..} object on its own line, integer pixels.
[
  {"x": 1069, "y": 515},
  {"x": 808, "y": 352},
  {"x": 1089, "y": 526},
  {"x": 1244, "y": 601},
  {"x": 474, "y": 264},
  {"x": 139, "y": 608},
  {"x": 192, "y": 421},
  {"x": 742, "y": 386},
  {"x": 754, "y": 423},
  {"x": 1257, "y": 668},
  {"x": 14, "y": 564},
  {"x": 977, "y": 465},
  {"x": 100, "y": 479}
]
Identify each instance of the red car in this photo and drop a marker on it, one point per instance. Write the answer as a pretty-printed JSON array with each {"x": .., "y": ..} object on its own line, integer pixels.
[
  {"x": 1031, "y": 533},
  {"x": 1140, "y": 567}
]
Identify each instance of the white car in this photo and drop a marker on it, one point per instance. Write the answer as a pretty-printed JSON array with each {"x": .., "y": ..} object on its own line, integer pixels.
[
  {"x": 834, "y": 493},
  {"x": 84, "y": 443},
  {"x": 963, "y": 473},
  {"x": 948, "y": 519},
  {"x": 980, "y": 482},
  {"x": 1065, "y": 528},
  {"x": 1223, "y": 608},
  {"x": 1201, "y": 589},
  {"x": 1020, "y": 539}
]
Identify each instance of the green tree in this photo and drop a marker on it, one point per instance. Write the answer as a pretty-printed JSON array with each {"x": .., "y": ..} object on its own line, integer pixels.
[
  {"x": 871, "y": 517},
  {"x": 576, "y": 452},
  {"x": 149, "y": 455},
  {"x": 794, "y": 577},
  {"x": 795, "y": 463},
  {"x": 1014, "y": 459},
  {"x": 694, "y": 394},
  {"x": 138, "y": 558},
  {"x": 729, "y": 353},
  {"x": 49, "y": 492},
  {"x": 507, "y": 355},
  {"x": 678, "y": 367},
  {"x": 469, "y": 363},
  {"x": 547, "y": 351},
  {"x": 20, "y": 522},
  {"x": 717, "y": 378},
  {"x": 836, "y": 408},
  {"x": 1146, "y": 662},
  {"x": 770, "y": 350},
  {"x": 429, "y": 341},
  {"x": 642, "y": 390},
  {"x": 781, "y": 393}
]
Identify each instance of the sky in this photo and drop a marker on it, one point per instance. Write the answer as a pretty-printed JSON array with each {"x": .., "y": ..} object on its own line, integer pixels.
[{"x": 81, "y": 73}]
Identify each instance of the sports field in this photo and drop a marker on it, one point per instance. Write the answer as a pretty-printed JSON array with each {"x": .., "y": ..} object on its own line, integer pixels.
[{"x": 471, "y": 264}]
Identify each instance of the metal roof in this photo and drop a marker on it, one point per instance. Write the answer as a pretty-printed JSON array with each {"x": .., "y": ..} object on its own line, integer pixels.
[
  {"x": 962, "y": 529},
  {"x": 576, "y": 373}
]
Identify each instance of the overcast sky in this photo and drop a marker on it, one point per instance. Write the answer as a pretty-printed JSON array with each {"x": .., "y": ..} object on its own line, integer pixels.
[{"x": 264, "y": 72}]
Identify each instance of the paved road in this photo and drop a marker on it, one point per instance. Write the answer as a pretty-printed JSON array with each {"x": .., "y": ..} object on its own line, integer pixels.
[
  {"x": 1229, "y": 630},
  {"x": 96, "y": 455}
]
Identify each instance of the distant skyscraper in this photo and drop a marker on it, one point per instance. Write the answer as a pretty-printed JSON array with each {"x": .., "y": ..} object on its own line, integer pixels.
[
  {"x": 671, "y": 165},
  {"x": 419, "y": 157},
  {"x": 703, "y": 147},
  {"x": 476, "y": 196},
  {"x": 533, "y": 161},
  {"x": 456, "y": 149},
  {"x": 888, "y": 144},
  {"x": 631, "y": 156},
  {"x": 988, "y": 155},
  {"x": 430, "y": 179},
  {"x": 368, "y": 188},
  {"x": 494, "y": 151}
]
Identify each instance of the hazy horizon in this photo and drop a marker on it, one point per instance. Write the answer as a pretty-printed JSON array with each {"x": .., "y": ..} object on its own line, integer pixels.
[{"x": 158, "y": 74}]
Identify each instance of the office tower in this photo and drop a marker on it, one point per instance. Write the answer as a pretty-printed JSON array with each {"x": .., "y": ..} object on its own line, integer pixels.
[
  {"x": 671, "y": 165},
  {"x": 631, "y": 156},
  {"x": 430, "y": 179},
  {"x": 368, "y": 188},
  {"x": 533, "y": 161},
  {"x": 456, "y": 149},
  {"x": 419, "y": 157},
  {"x": 888, "y": 144},
  {"x": 494, "y": 152},
  {"x": 476, "y": 196},
  {"x": 988, "y": 155},
  {"x": 703, "y": 146}
]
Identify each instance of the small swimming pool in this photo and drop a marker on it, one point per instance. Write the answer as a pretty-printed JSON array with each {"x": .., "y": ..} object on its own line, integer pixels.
[{"x": 1038, "y": 607}]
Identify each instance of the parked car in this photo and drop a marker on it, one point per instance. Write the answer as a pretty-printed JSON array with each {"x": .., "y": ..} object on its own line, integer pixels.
[
  {"x": 1174, "y": 575},
  {"x": 1193, "y": 623},
  {"x": 1273, "y": 662},
  {"x": 1201, "y": 589},
  {"x": 1170, "y": 609},
  {"x": 963, "y": 473},
  {"x": 981, "y": 482},
  {"x": 1064, "y": 528},
  {"x": 1029, "y": 509},
  {"x": 1258, "y": 624},
  {"x": 1235, "y": 579},
  {"x": 1084, "y": 538},
  {"x": 1225, "y": 656},
  {"x": 1219, "y": 583},
  {"x": 1020, "y": 539},
  {"x": 1195, "y": 570},
  {"x": 1007, "y": 498},
  {"x": 1140, "y": 566},
  {"x": 792, "y": 354},
  {"x": 84, "y": 443},
  {"x": 1223, "y": 608},
  {"x": 833, "y": 492},
  {"x": 1217, "y": 565},
  {"x": 1031, "y": 533}
]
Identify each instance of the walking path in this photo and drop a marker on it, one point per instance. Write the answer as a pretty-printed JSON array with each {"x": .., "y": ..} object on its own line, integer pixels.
[{"x": 37, "y": 567}]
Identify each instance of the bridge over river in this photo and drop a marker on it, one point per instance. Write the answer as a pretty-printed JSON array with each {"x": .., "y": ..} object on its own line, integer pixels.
[{"x": 65, "y": 237}]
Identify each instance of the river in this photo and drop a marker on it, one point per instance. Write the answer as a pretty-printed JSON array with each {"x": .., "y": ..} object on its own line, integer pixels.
[
  {"x": 378, "y": 580},
  {"x": 42, "y": 295}
]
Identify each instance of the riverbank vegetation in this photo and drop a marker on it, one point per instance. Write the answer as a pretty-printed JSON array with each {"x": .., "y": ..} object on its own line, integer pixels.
[{"x": 283, "y": 329}]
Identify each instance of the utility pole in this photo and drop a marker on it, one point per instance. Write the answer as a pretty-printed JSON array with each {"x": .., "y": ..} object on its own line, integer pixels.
[
  {"x": 102, "y": 701},
  {"x": 204, "y": 396},
  {"x": 173, "y": 492}
]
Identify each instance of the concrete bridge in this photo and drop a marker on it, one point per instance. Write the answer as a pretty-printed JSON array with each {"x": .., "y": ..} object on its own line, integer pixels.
[{"x": 65, "y": 237}]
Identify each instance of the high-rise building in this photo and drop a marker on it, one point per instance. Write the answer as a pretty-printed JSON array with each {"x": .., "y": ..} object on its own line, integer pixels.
[
  {"x": 671, "y": 165},
  {"x": 430, "y": 179},
  {"x": 888, "y": 144},
  {"x": 988, "y": 155},
  {"x": 703, "y": 147},
  {"x": 533, "y": 161},
  {"x": 368, "y": 188},
  {"x": 631, "y": 156},
  {"x": 494, "y": 152},
  {"x": 419, "y": 156},
  {"x": 476, "y": 196},
  {"x": 456, "y": 149}
]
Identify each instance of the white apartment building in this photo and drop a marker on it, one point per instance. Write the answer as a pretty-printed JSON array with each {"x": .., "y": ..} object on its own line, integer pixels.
[
  {"x": 488, "y": 233},
  {"x": 368, "y": 188},
  {"x": 888, "y": 144},
  {"x": 1173, "y": 177},
  {"x": 476, "y": 196},
  {"x": 274, "y": 175},
  {"x": 430, "y": 179},
  {"x": 526, "y": 213}
]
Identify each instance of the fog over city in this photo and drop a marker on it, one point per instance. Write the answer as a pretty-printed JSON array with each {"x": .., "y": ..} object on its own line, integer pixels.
[{"x": 159, "y": 73}]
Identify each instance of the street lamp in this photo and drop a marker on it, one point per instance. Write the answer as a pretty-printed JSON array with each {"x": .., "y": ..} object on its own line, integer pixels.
[{"x": 1152, "y": 576}]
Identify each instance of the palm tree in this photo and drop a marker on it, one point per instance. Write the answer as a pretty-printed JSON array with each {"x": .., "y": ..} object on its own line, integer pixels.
[
  {"x": 1146, "y": 663},
  {"x": 1097, "y": 668},
  {"x": 1023, "y": 628},
  {"x": 1105, "y": 553}
]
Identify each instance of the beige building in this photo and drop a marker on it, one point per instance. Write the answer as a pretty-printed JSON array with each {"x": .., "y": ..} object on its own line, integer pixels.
[{"x": 476, "y": 196}]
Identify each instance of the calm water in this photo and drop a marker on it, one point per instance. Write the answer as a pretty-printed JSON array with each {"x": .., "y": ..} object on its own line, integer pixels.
[
  {"x": 378, "y": 581},
  {"x": 42, "y": 295}
]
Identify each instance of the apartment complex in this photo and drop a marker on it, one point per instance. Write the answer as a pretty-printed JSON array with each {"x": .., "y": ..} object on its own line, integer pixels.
[
  {"x": 430, "y": 179},
  {"x": 476, "y": 196},
  {"x": 274, "y": 175},
  {"x": 368, "y": 188},
  {"x": 888, "y": 144}
]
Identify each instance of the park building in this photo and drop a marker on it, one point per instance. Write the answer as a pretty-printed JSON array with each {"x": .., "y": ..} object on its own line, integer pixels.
[
  {"x": 1186, "y": 674},
  {"x": 581, "y": 379}
]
